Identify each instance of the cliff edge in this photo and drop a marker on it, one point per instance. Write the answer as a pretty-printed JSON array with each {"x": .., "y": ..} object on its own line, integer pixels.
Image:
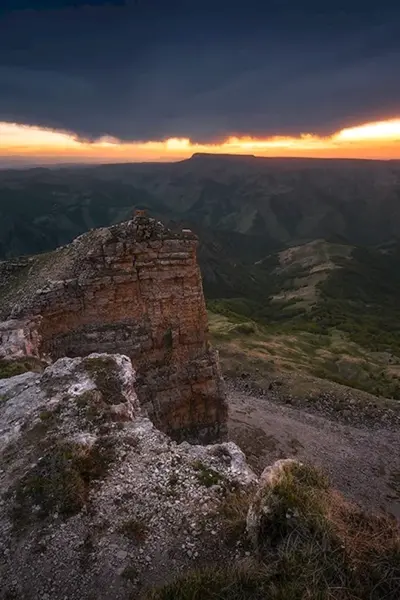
[{"x": 134, "y": 288}]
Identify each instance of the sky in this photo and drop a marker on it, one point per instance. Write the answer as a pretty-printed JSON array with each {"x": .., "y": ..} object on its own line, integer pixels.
[{"x": 140, "y": 80}]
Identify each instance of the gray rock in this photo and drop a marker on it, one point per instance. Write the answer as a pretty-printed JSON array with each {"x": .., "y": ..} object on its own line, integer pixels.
[{"x": 134, "y": 515}]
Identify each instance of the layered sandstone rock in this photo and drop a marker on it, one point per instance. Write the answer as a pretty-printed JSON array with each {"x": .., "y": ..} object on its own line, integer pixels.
[{"x": 134, "y": 288}]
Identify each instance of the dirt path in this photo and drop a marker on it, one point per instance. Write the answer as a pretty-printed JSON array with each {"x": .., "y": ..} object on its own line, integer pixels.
[{"x": 363, "y": 463}]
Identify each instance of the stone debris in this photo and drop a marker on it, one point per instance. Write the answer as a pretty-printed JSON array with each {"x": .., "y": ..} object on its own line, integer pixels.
[
  {"x": 342, "y": 404},
  {"x": 153, "y": 511}
]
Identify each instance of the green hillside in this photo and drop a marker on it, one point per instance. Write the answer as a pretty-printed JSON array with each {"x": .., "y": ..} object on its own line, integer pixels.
[{"x": 332, "y": 312}]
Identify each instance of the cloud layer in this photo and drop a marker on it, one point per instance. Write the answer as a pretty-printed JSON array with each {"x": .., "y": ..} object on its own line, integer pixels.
[
  {"x": 28, "y": 144},
  {"x": 201, "y": 70}
]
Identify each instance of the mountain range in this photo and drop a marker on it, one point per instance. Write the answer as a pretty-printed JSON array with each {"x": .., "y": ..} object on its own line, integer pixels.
[
  {"x": 298, "y": 245},
  {"x": 285, "y": 201}
]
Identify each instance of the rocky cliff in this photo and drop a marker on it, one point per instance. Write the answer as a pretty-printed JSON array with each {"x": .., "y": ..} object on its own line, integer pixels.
[
  {"x": 134, "y": 288},
  {"x": 95, "y": 501}
]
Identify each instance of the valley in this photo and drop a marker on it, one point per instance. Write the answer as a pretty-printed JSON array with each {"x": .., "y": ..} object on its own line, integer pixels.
[{"x": 299, "y": 258}]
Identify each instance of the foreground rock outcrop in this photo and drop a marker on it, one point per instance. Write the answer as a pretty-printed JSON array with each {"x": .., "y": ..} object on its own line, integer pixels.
[
  {"x": 96, "y": 502},
  {"x": 133, "y": 288},
  {"x": 308, "y": 543}
]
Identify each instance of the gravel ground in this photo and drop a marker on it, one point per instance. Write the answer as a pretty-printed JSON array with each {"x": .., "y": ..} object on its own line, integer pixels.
[{"x": 363, "y": 462}]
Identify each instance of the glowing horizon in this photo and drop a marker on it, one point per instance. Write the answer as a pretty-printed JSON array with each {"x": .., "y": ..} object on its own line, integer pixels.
[{"x": 375, "y": 140}]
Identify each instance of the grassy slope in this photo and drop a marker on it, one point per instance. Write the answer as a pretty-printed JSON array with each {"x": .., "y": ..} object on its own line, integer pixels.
[
  {"x": 343, "y": 326},
  {"x": 311, "y": 545},
  {"x": 267, "y": 352}
]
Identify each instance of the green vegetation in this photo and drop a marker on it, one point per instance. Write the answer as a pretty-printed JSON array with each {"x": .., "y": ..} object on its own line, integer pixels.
[
  {"x": 272, "y": 349},
  {"x": 233, "y": 512},
  {"x": 349, "y": 333},
  {"x": 60, "y": 482},
  {"x": 10, "y": 368},
  {"x": 297, "y": 503},
  {"x": 360, "y": 298},
  {"x": 105, "y": 375},
  {"x": 206, "y": 475},
  {"x": 47, "y": 209},
  {"x": 307, "y": 261},
  {"x": 48, "y": 417},
  {"x": 168, "y": 339},
  {"x": 216, "y": 583},
  {"x": 243, "y": 198},
  {"x": 312, "y": 545},
  {"x": 130, "y": 573},
  {"x": 94, "y": 409}
]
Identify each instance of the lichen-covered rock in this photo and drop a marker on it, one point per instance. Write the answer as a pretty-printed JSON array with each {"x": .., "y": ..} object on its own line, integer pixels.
[
  {"x": 68, "y": 387},
  {"x": 97, "y": 502},
  {"x": 134, "y": 288}
]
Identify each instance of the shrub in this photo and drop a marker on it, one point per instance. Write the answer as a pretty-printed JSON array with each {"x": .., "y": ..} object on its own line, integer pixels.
[
  {"x": 168, "y": 340},
  {"x": 60, "y": 481},
  {"x": 104, "y": 373},
  {"x": 233, "y": 512},
  {"x": 317, "y": 547},
  {"x": 215, "y": 583},
  {"x": 245, "y": 328}
]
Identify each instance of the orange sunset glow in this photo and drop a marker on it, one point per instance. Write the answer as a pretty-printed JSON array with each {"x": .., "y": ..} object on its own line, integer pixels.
[{"x": 377, "y": 140}]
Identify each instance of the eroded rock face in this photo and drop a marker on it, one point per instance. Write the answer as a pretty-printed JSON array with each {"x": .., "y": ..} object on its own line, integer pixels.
[
  {"x": 134, "y": 288},
  {"x": 96, "y": 502}
]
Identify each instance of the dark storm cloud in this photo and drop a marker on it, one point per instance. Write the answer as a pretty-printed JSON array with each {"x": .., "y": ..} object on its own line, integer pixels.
[
  {"x": 12, "y": 5},
  {"x": 156, "y": 69}
]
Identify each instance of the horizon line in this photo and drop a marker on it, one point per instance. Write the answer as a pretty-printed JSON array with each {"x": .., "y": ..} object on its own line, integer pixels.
[{"x": 378, "y": 140}]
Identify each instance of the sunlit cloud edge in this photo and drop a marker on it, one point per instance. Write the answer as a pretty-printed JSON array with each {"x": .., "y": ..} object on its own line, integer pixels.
[{"x": 379, "y": 139}]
